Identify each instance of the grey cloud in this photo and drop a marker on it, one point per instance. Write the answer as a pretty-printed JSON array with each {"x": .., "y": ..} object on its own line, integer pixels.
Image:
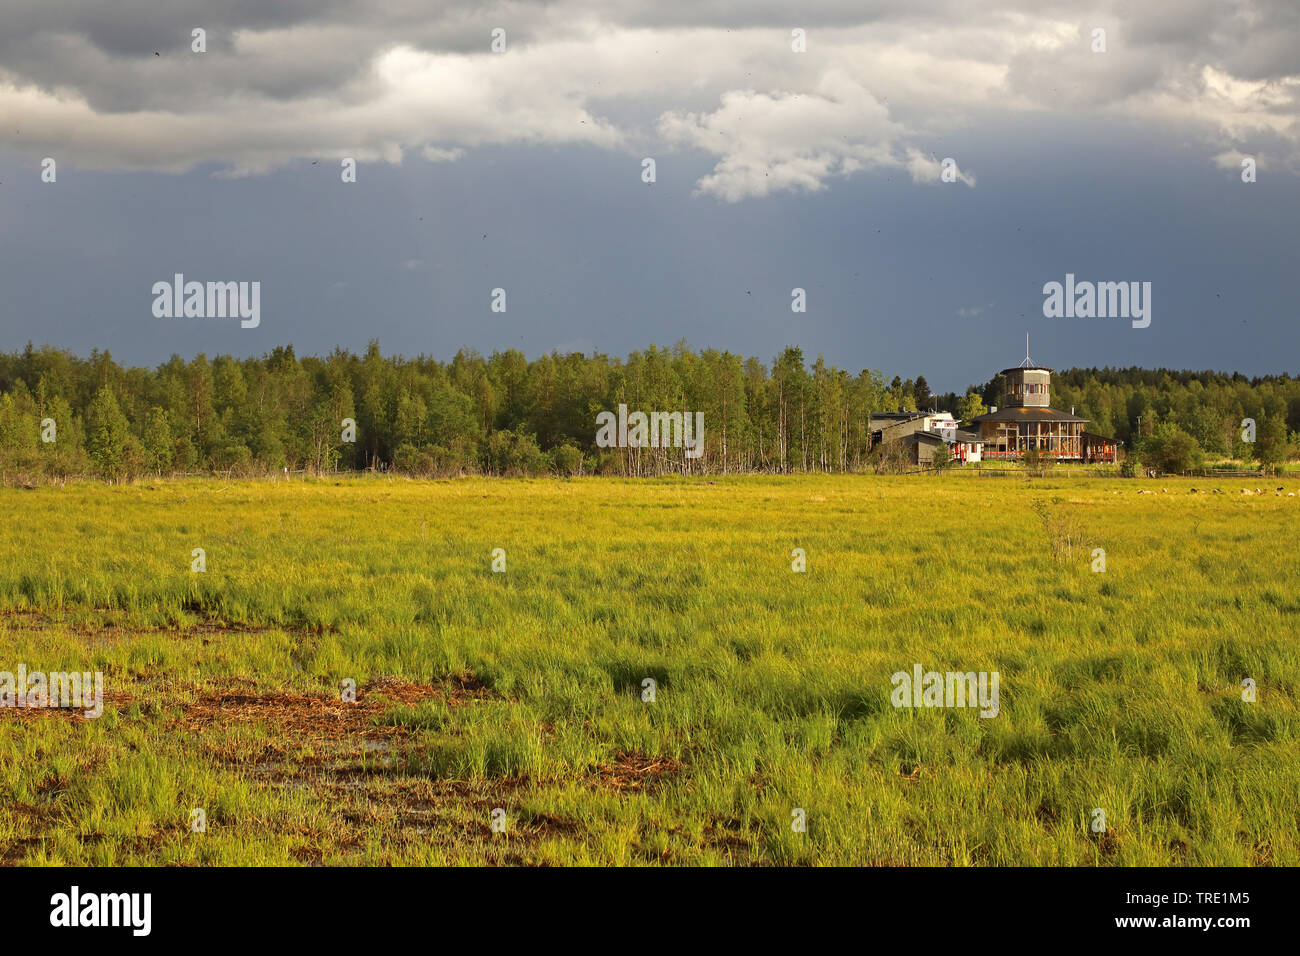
[{"x": 284, "y": 79}]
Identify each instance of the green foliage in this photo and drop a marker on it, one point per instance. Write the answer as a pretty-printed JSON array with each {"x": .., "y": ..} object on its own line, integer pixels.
[
  {"x": 253, "y": 415},
  {"x": 1271, "y": 441},
  {"x": 1038, "y": 462},
  {"x": 107, "y": 431},
  {"x": 158, "y": 442},
  {"x": 1210, "y": 430},
  {"x": 184, "y": 456},
  {"x": 891, "y": 457},
  {"x": 515, "y": 454},
  {"x": 1207, "y": 405},
  {"x": 972, "y": 406},
  {"x": 566, "y": 460},
  {"x": 1171, "y": 450}
]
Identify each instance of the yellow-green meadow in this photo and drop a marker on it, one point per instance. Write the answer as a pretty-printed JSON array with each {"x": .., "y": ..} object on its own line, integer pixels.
[{"x": 649, "y": 679}]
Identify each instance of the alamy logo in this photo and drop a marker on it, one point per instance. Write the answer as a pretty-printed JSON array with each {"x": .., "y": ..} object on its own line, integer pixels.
[
  {"x": 1099, "y": 300},
  {"x": 212, "y": 300},
  {"x": 951, "y": 689},
  {"x": 656, "y": 430},
  {"x": 133, "y": 910},
  {"x": 56, "y": 689}
]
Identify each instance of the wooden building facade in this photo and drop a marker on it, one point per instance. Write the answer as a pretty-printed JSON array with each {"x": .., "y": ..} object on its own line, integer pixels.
[{"x": 1029, "y": 423}]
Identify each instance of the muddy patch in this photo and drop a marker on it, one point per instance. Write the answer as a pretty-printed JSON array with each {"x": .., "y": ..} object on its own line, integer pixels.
[
  {"x": 637, "y": 772},
  {"x": 111, "y": 702},
  {"x": 303, "y": 717}
]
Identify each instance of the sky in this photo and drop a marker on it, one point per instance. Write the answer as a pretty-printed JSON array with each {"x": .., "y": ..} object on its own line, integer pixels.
[{"x": 795, "y": 146}]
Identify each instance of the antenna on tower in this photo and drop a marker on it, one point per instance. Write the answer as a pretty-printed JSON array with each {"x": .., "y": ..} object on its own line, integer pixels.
[{"x": 1027, "y": 363}]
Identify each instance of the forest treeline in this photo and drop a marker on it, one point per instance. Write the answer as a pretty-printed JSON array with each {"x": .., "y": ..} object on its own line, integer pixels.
[{"x": 61, "y": 415}]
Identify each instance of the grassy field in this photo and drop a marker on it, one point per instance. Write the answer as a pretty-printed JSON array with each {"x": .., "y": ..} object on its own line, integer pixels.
[{"x": 522, "y": 690}]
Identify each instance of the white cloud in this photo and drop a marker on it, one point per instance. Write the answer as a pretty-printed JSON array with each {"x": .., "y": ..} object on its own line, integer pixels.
[
  {"x": 928, "y": 169},
  {"x": 435, "y": 154},
  {"x": 885, "y": 89},
  {"x": 787, "y": 141}
]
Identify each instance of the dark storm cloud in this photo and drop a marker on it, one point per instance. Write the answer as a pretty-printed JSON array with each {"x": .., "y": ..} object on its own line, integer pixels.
[
  {"x": 293, "y": 78},
  {"x": 776, "y": 169}
]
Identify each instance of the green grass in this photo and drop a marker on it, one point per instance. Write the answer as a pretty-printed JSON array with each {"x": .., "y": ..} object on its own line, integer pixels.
[{"x": 522, "y": 690}]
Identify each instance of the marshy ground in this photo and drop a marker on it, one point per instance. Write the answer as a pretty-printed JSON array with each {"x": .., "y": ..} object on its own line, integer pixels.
[{"x": 227, "y": 690}]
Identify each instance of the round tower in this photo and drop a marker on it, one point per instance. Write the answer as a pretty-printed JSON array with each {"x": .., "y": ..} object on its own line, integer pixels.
[{"x": 1028, "y": 386}]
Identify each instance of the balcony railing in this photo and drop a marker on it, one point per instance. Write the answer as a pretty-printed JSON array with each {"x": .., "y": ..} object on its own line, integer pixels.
[{"x": 990, "y": 454}]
